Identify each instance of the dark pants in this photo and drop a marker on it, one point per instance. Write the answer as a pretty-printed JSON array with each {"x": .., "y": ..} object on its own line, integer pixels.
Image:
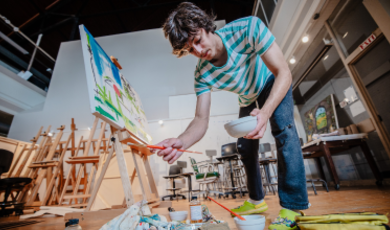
[{"x": 291, "y": 170}]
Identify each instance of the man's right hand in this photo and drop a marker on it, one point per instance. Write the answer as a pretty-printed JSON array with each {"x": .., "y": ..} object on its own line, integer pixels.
[{"x": 170, "y": 154}]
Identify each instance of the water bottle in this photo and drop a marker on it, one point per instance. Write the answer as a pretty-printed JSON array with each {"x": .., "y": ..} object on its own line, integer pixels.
[{"x": 73, "y": 224}]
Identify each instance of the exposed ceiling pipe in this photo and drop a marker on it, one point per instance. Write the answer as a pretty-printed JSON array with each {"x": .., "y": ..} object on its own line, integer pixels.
[
  {"x": 33, "y": 17},
  {"x": 16, "y": 29}
]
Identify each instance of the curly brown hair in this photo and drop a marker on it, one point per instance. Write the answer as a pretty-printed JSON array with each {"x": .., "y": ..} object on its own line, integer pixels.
[{"x": 183, "y": 23}]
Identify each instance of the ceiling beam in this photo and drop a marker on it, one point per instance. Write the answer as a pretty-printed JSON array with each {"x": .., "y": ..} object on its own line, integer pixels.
[
  {"x": 174, "y": 3},
  {"x": 52, "y": 7},
  {"x": 52, "y": 27},
  {"x": 76, "y": 20},
  {"x": 119, "y": 18},
  {"x": 36, "y": 7},
  {"x": 74, "y": 28}
]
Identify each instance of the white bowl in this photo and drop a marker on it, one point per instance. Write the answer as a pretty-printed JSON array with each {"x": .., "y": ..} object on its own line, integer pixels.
[
  {"x": 241, "y": 127},
  {"x": 178, "y": 215},
  {"x": 252, "y": 222}
]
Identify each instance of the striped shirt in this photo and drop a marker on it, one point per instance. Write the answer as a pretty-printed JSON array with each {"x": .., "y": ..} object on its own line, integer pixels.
[{"x": 244, "y": 73}]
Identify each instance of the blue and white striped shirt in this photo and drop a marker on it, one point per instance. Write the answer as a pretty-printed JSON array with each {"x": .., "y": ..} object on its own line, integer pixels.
[{"x": 244, "y": 73}]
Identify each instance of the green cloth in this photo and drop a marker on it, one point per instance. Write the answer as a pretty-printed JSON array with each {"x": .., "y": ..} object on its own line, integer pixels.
[
  {"x": 358, "y": 221},
  {"x": 209, "y": 174},
  {"x": 194, "y": 166}
]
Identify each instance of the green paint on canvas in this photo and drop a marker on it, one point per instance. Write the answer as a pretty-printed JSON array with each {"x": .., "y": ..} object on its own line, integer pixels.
[
  {"x": 98, "y": 99},
  {"x": 104, "y": 113}
]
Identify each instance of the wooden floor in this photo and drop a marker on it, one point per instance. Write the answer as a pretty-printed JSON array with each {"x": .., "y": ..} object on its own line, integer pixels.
[{"x": 348, "y": 199}]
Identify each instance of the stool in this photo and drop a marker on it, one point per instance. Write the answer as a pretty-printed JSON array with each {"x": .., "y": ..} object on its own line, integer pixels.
[
  {"x": 174, "y": 172},
  {"x": 264, "y": 170},
  {"x": 317, "y": 180}
]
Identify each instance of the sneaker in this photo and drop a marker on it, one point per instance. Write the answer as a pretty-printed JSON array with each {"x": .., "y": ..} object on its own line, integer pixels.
[
  {"x": 285, "y": 220},
  {"x": 248, "y": 208}
]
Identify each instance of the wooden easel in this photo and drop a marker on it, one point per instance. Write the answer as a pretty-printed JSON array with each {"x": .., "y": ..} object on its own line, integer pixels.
[
  {"x": 149, "y": 190},
  {"x": 43, "y": 165},
  {"x": 82, "y": 161},
  {"x": 29, "y": 149},
  {"x": 110, "y": 145}
]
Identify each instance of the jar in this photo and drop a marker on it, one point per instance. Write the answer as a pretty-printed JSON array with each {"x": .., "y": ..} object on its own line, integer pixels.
[{"x": 196, "y": 211}]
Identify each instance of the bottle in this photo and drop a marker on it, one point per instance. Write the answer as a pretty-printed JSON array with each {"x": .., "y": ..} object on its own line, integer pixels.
[
  {"x": 196, "y": 211},
  {"x": 73, "y": 224}
]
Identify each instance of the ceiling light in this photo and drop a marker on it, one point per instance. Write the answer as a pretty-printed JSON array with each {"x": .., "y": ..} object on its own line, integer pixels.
[
  {"x": 326, "y": 57},
  {"x": 305, "y": 39},
  {"x": 89, "y": 128},
  {"x": 161, "y": 122},
  {"x": 292, "y": 60},
  {"x": 346, "y": 33}
]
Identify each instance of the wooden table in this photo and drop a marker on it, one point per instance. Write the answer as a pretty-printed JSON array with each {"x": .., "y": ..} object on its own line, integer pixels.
[{"x": 328, "y": 146}]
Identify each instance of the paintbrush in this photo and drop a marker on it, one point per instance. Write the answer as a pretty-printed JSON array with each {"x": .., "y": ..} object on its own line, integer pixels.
[
  {"x": 162, "y": 147},
  {"x": 240, "y": 217}
]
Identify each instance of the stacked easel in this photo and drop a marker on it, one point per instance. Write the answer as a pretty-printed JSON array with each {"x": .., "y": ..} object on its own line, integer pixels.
[
  {"x": 46, "y": 163},
  {"x": 103, "y": 152},
  {"x": 82, "y": 162},
  {"x": 43, "y": 164},
  {"x": 142, "y": 169},
  {"x": 46, "y": 159}
]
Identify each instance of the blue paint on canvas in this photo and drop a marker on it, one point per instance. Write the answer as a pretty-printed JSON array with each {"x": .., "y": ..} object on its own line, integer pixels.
[{"x": 97, "y": 51}]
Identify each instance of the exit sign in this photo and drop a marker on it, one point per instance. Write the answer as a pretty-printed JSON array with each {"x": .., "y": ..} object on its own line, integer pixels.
[{"x": 367, "y": 42}]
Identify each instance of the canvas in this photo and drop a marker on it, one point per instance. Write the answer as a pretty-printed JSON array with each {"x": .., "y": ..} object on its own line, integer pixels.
[
  {"x": 321, "y": 118},
  {"x": 111, "y": 96}
]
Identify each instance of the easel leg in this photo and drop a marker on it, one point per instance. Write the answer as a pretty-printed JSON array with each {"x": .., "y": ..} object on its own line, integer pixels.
[
  {"x": 123, "y": 171},
  {"x": 99, "y": 180}
]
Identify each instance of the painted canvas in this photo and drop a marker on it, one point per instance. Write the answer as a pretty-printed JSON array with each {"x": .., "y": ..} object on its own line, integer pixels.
[
  {"x": 321, "y": 118},
  {"x": 111, "y": 96}
]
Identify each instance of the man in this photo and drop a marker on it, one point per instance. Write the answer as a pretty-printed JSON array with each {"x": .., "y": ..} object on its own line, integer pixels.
[{"x": 243, "y": 58}]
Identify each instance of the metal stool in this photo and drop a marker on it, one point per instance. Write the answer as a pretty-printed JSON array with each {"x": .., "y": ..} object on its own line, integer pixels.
[
  {"x": 264, "y": 170},
  {"x": 265, "y": 165},
  {"x": 317, "y": 180}
]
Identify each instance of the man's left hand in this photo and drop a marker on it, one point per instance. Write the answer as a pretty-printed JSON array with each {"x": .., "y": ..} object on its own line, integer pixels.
[{"x": 262, "y": 118}]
